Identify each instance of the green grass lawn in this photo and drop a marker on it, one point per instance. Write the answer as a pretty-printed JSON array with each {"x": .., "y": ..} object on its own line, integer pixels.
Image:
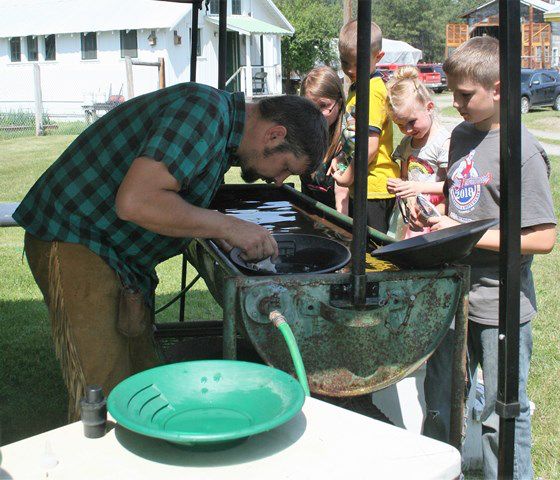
[
  {"x": 540, "y": 119},
  {"x": 32, "y": 394},
  {"x": 60, "y": 128},
  {"x": 551, "y": 141},
  {"x": 543, "y": 119},
  {"x": 449, "y": 112}
]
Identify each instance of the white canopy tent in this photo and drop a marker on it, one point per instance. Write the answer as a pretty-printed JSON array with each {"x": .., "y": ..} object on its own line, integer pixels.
[
  {"x": 400, "y": 52},
  {"x": 396, "y": 51}
]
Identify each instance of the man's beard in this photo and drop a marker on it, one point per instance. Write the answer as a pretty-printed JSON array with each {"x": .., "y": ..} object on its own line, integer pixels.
[{"x": 249, "y": 174}]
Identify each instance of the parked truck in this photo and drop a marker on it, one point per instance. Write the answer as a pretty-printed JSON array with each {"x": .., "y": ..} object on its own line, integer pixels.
[{"x": 428, "y": 74}]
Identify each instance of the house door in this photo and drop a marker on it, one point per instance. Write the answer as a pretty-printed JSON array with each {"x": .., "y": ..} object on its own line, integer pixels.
[{"x": 232, "y": 61}]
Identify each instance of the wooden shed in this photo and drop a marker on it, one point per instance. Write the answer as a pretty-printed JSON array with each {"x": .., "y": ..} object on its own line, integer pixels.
[{"x": 540, "y": 38}]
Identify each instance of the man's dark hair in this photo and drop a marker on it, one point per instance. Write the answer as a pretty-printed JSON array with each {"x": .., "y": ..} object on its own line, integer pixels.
[{"x": 307, "y": 133}]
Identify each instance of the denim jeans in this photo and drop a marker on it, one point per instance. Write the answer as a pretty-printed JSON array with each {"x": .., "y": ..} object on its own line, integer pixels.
[{"x": 483, "y": 351}]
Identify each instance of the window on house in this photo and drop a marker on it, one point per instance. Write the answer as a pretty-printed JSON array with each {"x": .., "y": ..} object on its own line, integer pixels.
[
  {"x": 50, "y": 47},
  {"x": 129, "y": 44},
  {"x": 198, "y": 43},
  {"x": 89, "y": 46},
  {"x": 32, "y": 49},
  {"x": 15, "y": 49},
  {"x": 214, "y": 7},
  {"x": 236, "y": 7}
]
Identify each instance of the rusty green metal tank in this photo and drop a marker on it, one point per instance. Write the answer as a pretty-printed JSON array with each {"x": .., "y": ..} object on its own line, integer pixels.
[{"x": 346, "y": 351}]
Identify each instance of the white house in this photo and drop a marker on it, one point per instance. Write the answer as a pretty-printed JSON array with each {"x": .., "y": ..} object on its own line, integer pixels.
[
  {"x": 80, "y": 47},
  {"x": 553, "y": 16}
]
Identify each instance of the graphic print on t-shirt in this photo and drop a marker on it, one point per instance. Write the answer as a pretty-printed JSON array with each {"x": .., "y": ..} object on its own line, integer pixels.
[
  {"x": 419, "y": 170},
  {"x": 466, "y": 184}
]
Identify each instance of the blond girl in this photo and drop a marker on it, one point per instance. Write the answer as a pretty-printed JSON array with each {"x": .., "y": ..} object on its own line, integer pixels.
[{"x": 424, "y": 149}]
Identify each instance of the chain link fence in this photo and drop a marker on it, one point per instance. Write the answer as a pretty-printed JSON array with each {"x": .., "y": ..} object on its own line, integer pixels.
[
  {"x": 29, "y": 108},
  {"x": 23, "y": 123},
  {"x": 49, "y": 99}
]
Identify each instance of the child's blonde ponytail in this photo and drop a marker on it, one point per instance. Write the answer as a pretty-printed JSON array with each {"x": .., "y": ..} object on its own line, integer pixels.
[{"x": 404, "y": 87}]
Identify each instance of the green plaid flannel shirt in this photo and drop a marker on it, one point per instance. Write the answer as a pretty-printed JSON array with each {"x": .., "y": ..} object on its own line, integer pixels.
[{"x": 193, "y": 129}]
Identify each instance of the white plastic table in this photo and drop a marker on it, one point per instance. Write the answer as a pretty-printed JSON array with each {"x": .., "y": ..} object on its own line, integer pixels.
[{"x": 321, "y": 442}]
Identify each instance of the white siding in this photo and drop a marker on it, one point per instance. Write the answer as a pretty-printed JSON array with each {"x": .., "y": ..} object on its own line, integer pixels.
[
  {"x": 69, "y": 82},
  {"x": 262, "y": 11}
]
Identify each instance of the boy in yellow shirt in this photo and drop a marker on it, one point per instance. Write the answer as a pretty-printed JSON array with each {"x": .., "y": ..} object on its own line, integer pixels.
[{"x": 380, "y": 142}]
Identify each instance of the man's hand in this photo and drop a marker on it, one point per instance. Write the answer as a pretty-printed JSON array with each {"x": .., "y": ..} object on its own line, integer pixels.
[
  {"x": 439, "y": 223},
  {"x": 255, "y": 241},
  {"x": 402, "y": 188},
  {"x": 225, "y": 246}
]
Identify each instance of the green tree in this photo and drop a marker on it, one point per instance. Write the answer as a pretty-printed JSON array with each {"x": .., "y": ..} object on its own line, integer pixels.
[
  {"x": 316, "y": 23},
  {"x": 421, "y": 23}
]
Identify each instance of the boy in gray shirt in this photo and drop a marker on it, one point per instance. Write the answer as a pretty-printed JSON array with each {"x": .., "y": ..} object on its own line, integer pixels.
[{"x": 473, "y": 193}]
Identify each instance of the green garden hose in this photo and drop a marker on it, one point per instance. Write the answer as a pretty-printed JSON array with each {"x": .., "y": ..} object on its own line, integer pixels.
[{"x": 280, "y": 321}]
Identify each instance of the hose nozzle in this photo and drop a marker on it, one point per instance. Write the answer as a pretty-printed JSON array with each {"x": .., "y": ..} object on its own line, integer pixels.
[{"x": 276, "y": 318}]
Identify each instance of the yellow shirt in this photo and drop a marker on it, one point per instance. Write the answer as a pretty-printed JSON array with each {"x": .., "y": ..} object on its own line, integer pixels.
[{"x": 383, "y": 167}]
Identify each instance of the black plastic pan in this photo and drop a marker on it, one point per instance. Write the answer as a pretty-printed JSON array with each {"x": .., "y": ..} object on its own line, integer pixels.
[
  {"x": 436, "y": 248},
  {"x": 301, "y": 253}
]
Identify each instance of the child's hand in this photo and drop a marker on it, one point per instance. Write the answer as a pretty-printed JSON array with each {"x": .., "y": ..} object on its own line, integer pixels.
[
  {"x": 345, "y": 178},
  {"x": 439, "y": 223},
  {"x": 403, "y": 188},
  {"x": 392, "y": 184},
  {"x": 334, "y": 165},
  {"x": 415, "y": 218}
]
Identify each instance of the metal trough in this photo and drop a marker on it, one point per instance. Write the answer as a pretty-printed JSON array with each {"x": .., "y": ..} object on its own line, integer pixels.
[{"x": 346, "y": 351}]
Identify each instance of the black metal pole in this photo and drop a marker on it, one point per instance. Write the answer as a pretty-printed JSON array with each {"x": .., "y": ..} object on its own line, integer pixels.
[
  {"x": 507, "y": 404},
  {"x": 194, "y": 47},
  {"x": 194, "y": 38},
  {"x": 229, "y": 338},
  {"x": 459, "y": 362},
  {"x": 222, "y": 46},
  {"x": 182, "y": 301},
  {"x": 359, "y": 229}
]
